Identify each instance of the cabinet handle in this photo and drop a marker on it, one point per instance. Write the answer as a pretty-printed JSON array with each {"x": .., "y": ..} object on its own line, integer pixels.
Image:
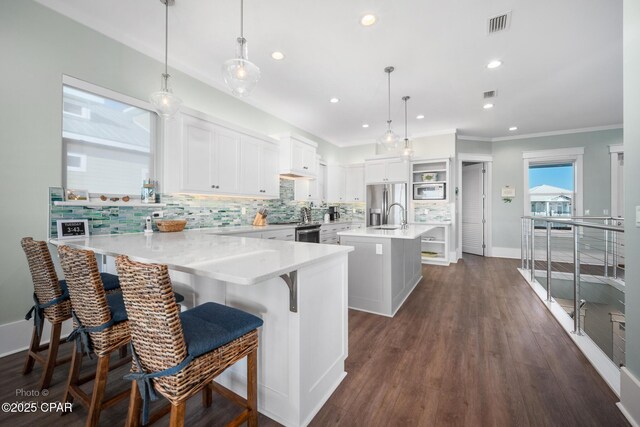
[
  {"x": 215, "y": 186},
  {"x": 304, "y": 167}
]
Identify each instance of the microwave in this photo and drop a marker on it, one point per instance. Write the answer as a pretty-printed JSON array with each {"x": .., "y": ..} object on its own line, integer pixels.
[{"x": 429, "y": 191}]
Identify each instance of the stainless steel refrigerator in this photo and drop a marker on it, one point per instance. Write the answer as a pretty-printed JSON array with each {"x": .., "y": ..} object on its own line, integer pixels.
[{"x": 380, "y": 197}]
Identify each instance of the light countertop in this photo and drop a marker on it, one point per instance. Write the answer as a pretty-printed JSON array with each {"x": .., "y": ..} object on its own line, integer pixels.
[
  {"x": 413, "y": 231},
  {"x": 205, "y": 252}
]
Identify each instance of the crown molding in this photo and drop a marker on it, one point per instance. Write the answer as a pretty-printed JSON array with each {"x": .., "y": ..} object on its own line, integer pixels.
[{"x": 558, "y": 132}]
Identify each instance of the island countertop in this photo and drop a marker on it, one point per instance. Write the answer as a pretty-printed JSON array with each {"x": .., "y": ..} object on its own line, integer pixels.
[
  {"x": 205, "y": 252},
  {"x": 413, "y": 231}
]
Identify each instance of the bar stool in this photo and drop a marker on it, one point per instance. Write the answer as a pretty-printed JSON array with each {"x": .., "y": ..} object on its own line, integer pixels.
[
  {"x": 101, "y": 327},
  {"x": 179, "y": 354},
  {"x": 51, "y": 302}
]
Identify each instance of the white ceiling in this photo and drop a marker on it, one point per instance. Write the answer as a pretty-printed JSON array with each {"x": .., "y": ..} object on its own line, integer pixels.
[{"x": 562, "y": 59}]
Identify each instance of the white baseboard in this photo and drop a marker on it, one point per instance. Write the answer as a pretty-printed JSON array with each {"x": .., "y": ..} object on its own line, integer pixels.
[
  {"x": 629, "y": 403},
  {"x": 505, "y": 252},
  {"x": 16, "y": 336}
]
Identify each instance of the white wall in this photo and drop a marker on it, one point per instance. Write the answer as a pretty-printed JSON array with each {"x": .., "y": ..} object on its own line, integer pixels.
[{"x": 39, "y": 46}]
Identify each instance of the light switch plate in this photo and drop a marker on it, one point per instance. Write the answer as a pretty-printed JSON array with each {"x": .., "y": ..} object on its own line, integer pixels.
[
  {"x": 587, "y": 212},
  {"x": 244, "y": 211},
  {"x": 378, "y": 248},
  {"x": 637, "y": 216}
]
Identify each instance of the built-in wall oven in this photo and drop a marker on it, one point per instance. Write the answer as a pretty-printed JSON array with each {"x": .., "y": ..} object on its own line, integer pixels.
[{"x": 309, "y": 233}]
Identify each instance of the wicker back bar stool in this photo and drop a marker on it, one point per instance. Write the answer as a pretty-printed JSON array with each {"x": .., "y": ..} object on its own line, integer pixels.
[
  {"x": 101, "y": 327},
  {"x": 179, "y": 354}
]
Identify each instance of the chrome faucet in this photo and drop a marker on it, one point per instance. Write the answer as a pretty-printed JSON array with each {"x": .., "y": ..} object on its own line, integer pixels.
[{"x": 403, "y": 225}]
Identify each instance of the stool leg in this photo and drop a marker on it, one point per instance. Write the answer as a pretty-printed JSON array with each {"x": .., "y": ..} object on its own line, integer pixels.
[
  {"x": 123, "y": 352},
  {"x": 98, "y": 391},
  {"x": 33, "y": 347},
  {"x": 74, "y": 372},
  {"x": 135, "y": 406},
  {"x": 207, "y": 397},
  {"x": 177, "y": 414},
  {"x": 54, "y": 342},
  {"x": 252, "y": 388}
]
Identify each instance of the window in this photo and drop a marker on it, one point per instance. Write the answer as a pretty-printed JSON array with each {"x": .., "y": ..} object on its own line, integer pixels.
[
  {"x": 553, "y": 183},
  {"x": 108, "y": 142}
]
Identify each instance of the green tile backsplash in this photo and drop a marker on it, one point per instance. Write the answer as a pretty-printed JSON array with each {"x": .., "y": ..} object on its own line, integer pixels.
[{"x": 199, "y": 211}]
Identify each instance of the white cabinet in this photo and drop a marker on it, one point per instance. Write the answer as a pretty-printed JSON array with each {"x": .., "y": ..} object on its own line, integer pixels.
[
  {"x": 355, "y": 183},
  {"x": 435, "y": 246},
  {"x": 199, "y": 156},
  {"x": 259, "y": 168},
  {"x": 336, "y": 180},
  {"x": 310, "y": 190},
  {"x": 297, "y": 156},
  {"x": 386, "y": 170},
  {"x": 210, "y": 158}
]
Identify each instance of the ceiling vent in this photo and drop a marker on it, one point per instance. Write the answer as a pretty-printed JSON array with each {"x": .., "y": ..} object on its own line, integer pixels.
[
  {"x": 499, "y": 23},
  {"x": 490, "y": 94}
]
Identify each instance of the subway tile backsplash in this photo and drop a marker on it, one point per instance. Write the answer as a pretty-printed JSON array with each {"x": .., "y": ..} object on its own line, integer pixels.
[
  {"x": 199, "y": 211},
  {"x": 435, "y": 212}
]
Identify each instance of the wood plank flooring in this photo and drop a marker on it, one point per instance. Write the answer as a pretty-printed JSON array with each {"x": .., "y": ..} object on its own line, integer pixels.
[{"x": 471, "y": 346}]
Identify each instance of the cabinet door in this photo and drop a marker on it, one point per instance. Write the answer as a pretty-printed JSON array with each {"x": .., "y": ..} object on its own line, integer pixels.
[
  {"x": 297, "y": 155},
  {"x": 355, "y": 184},
  {"x": 250, "y": 168},
  {"x": 335, "y": 184},
  {"x": 301, "y": 190},
  {"x": 269, "y": 175},
  {"x": 310, "y": 161},
  {"x": 226, "y": 166},
  {"x": 322, "y": 182},
  {"x": 197, "y": 155},
  {"x": 397, "y": 170},
  {"x": 375, "y": 171}
]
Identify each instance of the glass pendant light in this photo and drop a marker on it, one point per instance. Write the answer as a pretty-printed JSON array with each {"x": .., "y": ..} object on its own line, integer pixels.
[
  {"x": 389, "y": 140},
  {"x": 164, "y": 101},
  {"x": 407, "y": 150},
  {"x": 240, "y": 74}
]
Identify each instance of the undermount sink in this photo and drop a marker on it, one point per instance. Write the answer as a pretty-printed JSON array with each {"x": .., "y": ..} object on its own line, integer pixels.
[{"x": 387, "y": 227}]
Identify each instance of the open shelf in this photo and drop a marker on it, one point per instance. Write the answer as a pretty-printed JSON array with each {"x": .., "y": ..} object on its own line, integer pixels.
[
  {"x": 109, "y": 203},
  {"x": 429, "y": 182}
]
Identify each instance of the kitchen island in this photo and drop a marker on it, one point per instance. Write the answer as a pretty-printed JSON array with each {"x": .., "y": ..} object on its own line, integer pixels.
[
  {"x": 298, "y": 289},
  {"x": 385, "y": 266}
]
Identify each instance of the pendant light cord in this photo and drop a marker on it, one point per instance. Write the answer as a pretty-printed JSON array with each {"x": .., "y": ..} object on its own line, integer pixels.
[
  {"x": 242, "y": 19},
  {"x": 405, "y": 119},
  {"x": 166, "y": 37},
  {"x": 389, "y": 96}
]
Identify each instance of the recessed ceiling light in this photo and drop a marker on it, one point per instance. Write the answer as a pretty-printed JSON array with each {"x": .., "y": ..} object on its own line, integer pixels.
[
  {"x": 334, "y": 100},
  {"x": 365, "y": 125},
  {"x": 487, "y": 106},
  {"x": 512, "y": 128},
  {"x": 494, "y": 64},
  {"x": 368, "y": 20},
  {"x": 278, "y": 56},
  {"x": 420, "y": 116}
]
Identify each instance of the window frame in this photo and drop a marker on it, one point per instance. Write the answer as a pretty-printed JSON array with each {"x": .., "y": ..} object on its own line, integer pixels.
[
  {"x": 574, "y": 155},
  {"x": 155, "y": 125}
]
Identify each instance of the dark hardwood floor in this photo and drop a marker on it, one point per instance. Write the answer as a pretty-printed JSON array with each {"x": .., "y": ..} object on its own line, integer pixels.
[{"x": 471, "y": 346}]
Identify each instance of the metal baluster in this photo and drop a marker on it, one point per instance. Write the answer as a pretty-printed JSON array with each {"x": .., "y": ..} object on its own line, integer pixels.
[
  {"x": 614, "y": 243},
  {"x": 526, "y": 243},
  {"x": 522, "y": 236},
  {"x": 532, "y": 244},
  {"x": 576, "y": 281},
  {"x": 548, "y": 261},
  {"x": 606, "y": 250}
]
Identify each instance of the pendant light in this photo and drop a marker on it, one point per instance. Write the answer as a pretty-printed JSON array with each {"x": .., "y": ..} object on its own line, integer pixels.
[
  {"x": 389, "y": 140},
  {"x": 407, "y": 150},
  {"x": 240, "y": 74},
  {"x": 164, "y": 101}
]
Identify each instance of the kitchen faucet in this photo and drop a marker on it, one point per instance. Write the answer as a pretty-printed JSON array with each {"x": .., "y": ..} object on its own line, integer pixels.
[{"x": 404, "y": 225}]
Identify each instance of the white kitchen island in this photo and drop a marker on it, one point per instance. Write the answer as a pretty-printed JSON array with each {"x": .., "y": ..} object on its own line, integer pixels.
[
  {"x": 385, "y": 266},
  {"x": 298, "y": 289}
]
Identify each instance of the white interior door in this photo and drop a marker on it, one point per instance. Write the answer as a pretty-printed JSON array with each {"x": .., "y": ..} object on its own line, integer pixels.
[{"x": 473, "y": 209}]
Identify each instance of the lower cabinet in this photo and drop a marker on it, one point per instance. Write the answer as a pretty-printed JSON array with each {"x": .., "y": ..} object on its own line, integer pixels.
[
  {"x": 329, "y": 232},
  {"x": 434, "y": 246}
]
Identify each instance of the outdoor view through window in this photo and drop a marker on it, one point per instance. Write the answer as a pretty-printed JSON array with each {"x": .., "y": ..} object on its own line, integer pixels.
[
  {"x": 551, "y": 189},
  {"x": 107, "y": 144}
]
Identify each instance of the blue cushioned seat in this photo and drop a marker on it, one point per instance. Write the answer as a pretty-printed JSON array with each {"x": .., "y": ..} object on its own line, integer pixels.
[
  {"x": 179, "y": 297},
  {"x": 210, "y": 325},
  {"x": 116, "y": 306}
]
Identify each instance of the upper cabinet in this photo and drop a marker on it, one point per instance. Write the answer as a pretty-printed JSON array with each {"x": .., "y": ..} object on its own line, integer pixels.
[
  {"x": 386, "y": 170},
  {"x": 335, "y": 181},
  {"x": 297, "y": 157},
  {"x": 311, "y": 190},
  {"x": 355, "y": 183},
  {"x": 202, "y": 157}
]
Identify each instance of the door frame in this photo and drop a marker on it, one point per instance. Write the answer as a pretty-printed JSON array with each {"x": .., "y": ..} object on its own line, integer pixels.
[
  {"x": 487, "y": 159},
  {"x": 614, "y": 151}
]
